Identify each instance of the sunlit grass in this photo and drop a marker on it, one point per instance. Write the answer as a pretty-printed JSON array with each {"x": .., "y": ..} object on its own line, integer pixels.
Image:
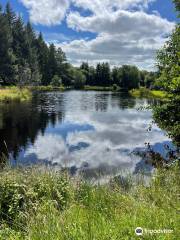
[
  {"x": 100, "y": 88},
  {"x": 41, "y": 205},
  {"x": 144, "y": 92},
  {"x": 10, "y": 94},
  {"x": 47, "y": 88}
]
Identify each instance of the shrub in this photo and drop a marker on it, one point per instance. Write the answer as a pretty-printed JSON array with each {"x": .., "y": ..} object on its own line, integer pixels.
[
  {"x": 115, "y": 87},
  {"x": 22, "y": 191},
  {"x": 56, "y": 81}
]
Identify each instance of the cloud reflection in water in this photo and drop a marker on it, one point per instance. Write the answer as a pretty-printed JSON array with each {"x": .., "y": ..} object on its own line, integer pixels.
[{"x": 95, "y": 141}]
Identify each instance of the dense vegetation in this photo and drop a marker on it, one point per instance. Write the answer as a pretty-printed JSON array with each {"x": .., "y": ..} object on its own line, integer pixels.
[
  {"x": 167, "y": 115},
  {"x": 46, "y": 205},
  {"x": 26, "y": 59},
  {"x": 147, "y": 93},
  {"x": 14, "y": 94}
]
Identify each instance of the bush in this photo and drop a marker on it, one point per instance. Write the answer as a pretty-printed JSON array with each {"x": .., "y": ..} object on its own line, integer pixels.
[
  {"x": 23, "y": 191},
  {"x": 79, "y": 79},
  {"x": 115, "y": 87},
  {"x": 56, "y": 81}
]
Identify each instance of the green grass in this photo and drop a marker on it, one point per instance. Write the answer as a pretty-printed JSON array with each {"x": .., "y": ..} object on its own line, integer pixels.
[
  {"x": 44, "y": 205},
  {"x": 10, "y": 94},
  {"x": 16, "y": 94},
  {"x": 101, "y": 88},
  {"x": 144, "y": 92},
  {"x": 47, "y": 88}
]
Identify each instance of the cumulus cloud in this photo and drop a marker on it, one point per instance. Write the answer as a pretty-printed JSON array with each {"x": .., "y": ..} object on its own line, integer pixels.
[
  {"x": 125, "y": 32},
  {"x": 123, "y": 36},
  {"x": 46, "y": 12},
  {"x": 136, "y": 24},
  {"x": 105, "y": 6},
  {"x": 114, "y": 49}
]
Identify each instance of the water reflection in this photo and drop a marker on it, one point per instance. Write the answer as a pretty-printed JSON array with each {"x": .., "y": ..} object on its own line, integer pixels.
[{"x": 90, "y": 133}]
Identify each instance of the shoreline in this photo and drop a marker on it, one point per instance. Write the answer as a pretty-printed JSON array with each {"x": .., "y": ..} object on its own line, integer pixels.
[{"x": 17, "y": 94}]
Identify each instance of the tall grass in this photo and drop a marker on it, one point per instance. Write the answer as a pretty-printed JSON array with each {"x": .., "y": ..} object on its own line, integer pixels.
[
  {"x": 47, "y": 88},
  {"x": 44, "y": 205},
  {"x": 10, "y": 94},
  {"x": 144, "y": 92}
]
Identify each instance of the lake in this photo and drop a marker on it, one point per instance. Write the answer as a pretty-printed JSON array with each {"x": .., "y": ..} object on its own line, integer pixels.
[{"x": 87, "y": 132}]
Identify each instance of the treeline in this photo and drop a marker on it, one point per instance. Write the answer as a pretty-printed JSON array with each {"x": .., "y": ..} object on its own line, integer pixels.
[
  {"x": 126, "y": 76},
  {"x": 26, "y": 59}
]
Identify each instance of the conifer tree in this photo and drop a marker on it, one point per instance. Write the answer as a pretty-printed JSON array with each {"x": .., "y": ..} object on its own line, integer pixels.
[{"x": 6, "y": 56}]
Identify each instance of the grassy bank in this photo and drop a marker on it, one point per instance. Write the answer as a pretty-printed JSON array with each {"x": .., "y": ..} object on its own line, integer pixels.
[
  {"x": 147, "y": 93},
  {"x": 16, "y": 94},
  {"x": 10, "y": 94},
  {"x": 100, "y": 88},
  {"x": 44, "y": 205},
  {"x": 47, "y": 88}
]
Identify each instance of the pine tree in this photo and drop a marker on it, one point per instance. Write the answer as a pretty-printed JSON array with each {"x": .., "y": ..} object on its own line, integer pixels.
[
  {"x": 32, "y": 57},
  {"x": 19, "y": 41},
  {"x": 6, "y": 56},
  {"x": 98, "y": 75},
  {"x": 10, "y": 15},
  {"x": 52, "y": 63},
  {"x": 61, "y": 62},
  {"x": 43, "y": 56}
]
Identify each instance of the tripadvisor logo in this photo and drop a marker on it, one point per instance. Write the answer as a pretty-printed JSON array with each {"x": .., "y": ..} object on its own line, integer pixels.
[{"x": 139, "y": 231}]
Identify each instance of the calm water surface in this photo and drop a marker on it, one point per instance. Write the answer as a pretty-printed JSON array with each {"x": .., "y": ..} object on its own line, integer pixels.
[{"x": 94, "y": 133}]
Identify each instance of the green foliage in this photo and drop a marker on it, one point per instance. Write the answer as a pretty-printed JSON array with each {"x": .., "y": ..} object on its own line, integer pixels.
[
  {"x": 25, "y": 58},
  {"x": 14, "y": 94},
  {"x": 177, "y": 5},
  {"x": 146, "y": 93},
  {"x": 130, "y": 77},
  {"x": 167, "y": 115},
  {"x": 78, "y": 79},
  {"x": 26, "y": 190},
  {"x": 115, "y": 87},
  {"x": 116, "y": 76},
  {"x": 89, "y": 212},
  {"x": 56, "y": 81},
  {"x": 169, "y": 63},
  {"x": 98, "y": 88},
  {"x": 7, "y": 70},
  {"x": 103, "y": 75}
]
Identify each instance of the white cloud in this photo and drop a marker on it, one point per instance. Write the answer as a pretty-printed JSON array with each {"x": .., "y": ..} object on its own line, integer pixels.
[
  {"x": 123, "y": 37},
  {"x": 122, "y": 22},
  {"x": 114, "y": 49},
  {"x": 126, "y": 33},
  {"x": 46, "y": 12},
  {"x": 105, "y": 6}
]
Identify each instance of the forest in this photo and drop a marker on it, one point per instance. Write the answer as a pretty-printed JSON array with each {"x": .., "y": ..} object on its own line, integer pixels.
[{"x": 28, "y": 60}]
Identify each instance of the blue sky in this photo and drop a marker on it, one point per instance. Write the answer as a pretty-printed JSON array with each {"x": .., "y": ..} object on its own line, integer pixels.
[{"x": 120, "y": 32}]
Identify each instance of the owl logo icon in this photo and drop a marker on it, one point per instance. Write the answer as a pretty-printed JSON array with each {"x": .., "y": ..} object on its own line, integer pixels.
[{"x": 139, "y": 231}]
